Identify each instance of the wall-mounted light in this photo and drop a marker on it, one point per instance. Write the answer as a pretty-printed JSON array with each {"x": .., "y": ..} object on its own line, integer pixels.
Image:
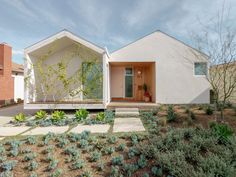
[{"x": 139, "y": 73}]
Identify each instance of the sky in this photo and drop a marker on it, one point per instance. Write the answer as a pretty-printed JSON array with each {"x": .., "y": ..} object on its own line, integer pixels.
[{"x": 107, "y": 23}]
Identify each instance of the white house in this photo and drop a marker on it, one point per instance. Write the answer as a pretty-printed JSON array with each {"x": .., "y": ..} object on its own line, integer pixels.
[{"x": 171, "y": 72}]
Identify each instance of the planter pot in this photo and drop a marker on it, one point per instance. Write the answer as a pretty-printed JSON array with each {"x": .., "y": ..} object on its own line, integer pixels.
[{"x": 146, "y": 99}]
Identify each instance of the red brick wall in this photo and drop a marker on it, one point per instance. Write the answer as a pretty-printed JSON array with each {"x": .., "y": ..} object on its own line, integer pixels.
[{"x": 6, "y": 80}]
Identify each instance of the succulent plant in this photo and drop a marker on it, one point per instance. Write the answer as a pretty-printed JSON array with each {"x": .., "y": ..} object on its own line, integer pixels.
[
  {"x": 41, "y": 115},
  {"x": 20, "y": 117},
  {"x": 81, "y": 114}
]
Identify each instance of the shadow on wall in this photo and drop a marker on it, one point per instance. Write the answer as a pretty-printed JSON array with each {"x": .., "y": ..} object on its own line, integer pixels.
[{"x": 200, "y": 99}]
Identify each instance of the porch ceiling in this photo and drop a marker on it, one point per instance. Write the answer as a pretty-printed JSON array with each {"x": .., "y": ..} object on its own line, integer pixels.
[{"x": 55, "y": 46}]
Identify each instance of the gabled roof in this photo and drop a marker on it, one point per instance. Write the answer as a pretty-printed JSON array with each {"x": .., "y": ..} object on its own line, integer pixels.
[
  {"x": 61, "y": 34},
  {"x": 158, "y": 31},
  {"x": 17, "y": 68}
]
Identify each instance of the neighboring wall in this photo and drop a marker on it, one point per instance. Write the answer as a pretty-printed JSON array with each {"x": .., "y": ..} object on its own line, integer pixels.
[
  {"x": 6, "y": 80},
  {"x": 217, "y": 71},
  {"x": 175, "y": 80},
  {"x": 18, "y": 86}
]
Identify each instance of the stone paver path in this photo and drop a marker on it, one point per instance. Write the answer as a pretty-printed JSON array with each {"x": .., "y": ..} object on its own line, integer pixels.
[
  {"x": 100, "y": 128},
  {"x": 128, "y": 125},
  {"x": 45, "y": 130},
  {"x": 12, "y": 131}
]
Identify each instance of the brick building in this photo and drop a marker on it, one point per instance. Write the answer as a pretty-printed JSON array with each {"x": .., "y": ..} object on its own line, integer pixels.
[{"x": 8, "y": 71}]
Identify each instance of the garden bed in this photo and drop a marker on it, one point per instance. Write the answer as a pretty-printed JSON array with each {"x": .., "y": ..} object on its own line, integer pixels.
[{"x": 60, "y": 118}]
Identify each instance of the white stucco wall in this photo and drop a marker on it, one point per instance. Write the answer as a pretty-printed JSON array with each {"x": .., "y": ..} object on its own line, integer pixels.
[
  {"x": 175, "y": 80},
  {"x": 18, "y": 87}
]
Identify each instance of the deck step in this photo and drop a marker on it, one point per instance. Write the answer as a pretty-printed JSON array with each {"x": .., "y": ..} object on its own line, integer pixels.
[
  {"x": 124, "y": 112},
  {"x": 127, "y": 110}
]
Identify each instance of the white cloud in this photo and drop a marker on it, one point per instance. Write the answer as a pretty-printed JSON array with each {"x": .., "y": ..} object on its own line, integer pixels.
[{"x": 17, "y": 52}]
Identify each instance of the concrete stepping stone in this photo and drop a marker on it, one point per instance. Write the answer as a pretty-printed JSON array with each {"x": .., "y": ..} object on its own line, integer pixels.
[
  {"x": 45, "y": 130},
  {"x": 99, "y": 128},
  {"x": 128, "y": 125},
  {"x": 126, "y": 112},
  {"x": 12, "y": 131}
]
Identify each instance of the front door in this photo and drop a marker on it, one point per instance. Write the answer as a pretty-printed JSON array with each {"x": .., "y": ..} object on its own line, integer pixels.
[{"x": 129, "y": 82}]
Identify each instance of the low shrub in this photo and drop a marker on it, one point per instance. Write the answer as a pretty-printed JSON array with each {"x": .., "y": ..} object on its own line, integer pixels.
[
  {"x": 8, "y": 165},
  {"x": 145, "y": 174},
  {"x": 74, "y": 137},
  {"x": 190, "y": 152},
  {"x": 33, "y": 165},
  {"x": 58, "y": 172},
  {"x": 20, "y": 117},
  {"x": 31, "y": 140},
  {"x": 208, "y": 110},
  {"x": 78, "y": 164},
  {"x": 112, "y": 139},
  {"x": 2, "y": 149},
  {"x": 52, "y": 165},
  {"x": 109, "y": 116},
  {"x": 81, "y": 114},
  {"x": 133, "y": 151},
  {"x": 109, "y": 150},
  {"x": 100, "y": 117},
  {"x": 118, "y": 160},
  {"x": 171, "y": 115},
  {"x": 83, "y": 144},
  {"x": 95, "y": 156},
  {"x": 33, "y": 174},
  {"x": 101, "y": 166},
  {"x": 223, "y": 131},
  {"x": 142, "y": 161},
  {"x": 121, "y": 147},
  {"x": 85, "y": 135},
  {"x": 130, "y": 168},
  {"x": 49, "y": 149},
  {"x": 86, "y": 174},
  {"x": 134, "y": 139},
  {"x": 26, "y": 150},
  {"x": 157, "y": 171},
  {"x": 58, "y": 115},
  {"x": 41, "y": 115},
  {"x": 115, "y": 171},
  {"x": 29, "y": 157}
]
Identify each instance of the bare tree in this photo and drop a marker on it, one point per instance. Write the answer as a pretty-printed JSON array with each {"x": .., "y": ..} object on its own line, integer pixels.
[{"x": 218, "y": 41}]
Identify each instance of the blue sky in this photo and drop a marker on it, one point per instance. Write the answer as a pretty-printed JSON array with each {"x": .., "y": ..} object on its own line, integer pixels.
[{"x": 110, "y": 23}]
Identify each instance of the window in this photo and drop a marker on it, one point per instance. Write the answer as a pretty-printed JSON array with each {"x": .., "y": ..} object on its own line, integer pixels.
[
  {"x": 129, "y": 82},
  {"x": 92, "y": 80},
  {"x": 200, "y": 69}
]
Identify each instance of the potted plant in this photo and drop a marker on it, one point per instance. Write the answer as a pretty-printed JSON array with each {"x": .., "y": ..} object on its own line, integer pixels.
[{"x": 146, "y": 93}]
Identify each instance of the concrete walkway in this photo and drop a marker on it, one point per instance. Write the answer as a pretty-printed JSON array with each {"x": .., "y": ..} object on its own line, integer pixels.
[
  {"x": 12, "y": 131},
  {"x": 128, "y": 125},
  {"x": 7, "y": 113},
  {"x": 100, "y": 128},
  {"x": 45, "y": 130}
]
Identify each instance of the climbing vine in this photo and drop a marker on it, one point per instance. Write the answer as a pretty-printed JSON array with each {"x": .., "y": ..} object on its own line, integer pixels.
[{"x": 55, "y": 81}]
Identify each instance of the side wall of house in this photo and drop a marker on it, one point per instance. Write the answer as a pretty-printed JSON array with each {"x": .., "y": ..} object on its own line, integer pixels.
[{"x": 174, "y": 67}]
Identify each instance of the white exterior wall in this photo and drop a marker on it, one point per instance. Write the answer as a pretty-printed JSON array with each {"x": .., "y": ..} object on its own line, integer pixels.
[
  {"x": 32, "y": 54},
  {"x": 18, "y": 87},
  {"x": 175, "y": 80}
]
